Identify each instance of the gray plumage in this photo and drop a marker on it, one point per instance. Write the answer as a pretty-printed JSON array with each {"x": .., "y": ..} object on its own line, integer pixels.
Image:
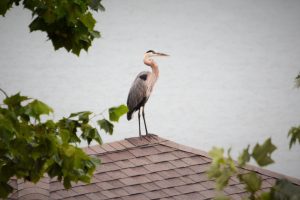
[
  {"x": 142, "y": 87},
  {"x": 139, "y": 92}
]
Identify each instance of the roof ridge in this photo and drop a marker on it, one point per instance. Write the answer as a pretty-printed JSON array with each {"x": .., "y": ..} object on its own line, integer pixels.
[{"x": 127, "y": 143}]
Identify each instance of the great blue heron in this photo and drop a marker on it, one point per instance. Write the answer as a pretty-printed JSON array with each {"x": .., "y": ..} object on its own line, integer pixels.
[{"x": 142, "y": 87}]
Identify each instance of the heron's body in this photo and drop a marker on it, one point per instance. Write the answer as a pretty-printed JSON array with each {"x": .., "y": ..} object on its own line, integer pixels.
[{"x": 142, "y": 87}]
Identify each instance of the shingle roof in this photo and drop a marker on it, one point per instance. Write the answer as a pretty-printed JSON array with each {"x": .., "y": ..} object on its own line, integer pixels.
[{"x": 151, "y": 168}]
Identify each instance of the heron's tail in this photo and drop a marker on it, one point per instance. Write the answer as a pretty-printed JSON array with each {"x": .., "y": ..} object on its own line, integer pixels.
[{"x": 129, "y": 115}]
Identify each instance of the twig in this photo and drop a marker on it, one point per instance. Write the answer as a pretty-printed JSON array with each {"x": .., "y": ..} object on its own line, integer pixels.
[{"x": 4, "y": 92}]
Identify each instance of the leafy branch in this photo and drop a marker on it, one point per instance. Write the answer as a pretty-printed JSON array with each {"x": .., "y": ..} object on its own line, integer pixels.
[
  {"x": 32, "y": 145},
  {"x": 68, "y": 23}
]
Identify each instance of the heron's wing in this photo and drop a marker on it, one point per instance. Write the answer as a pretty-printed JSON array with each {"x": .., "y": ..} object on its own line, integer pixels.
[{"x": 138, "y": 92}]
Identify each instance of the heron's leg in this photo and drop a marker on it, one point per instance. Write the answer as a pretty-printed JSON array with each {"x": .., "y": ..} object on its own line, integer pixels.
[
  {"x": 139, "y": 116},
  {"x": 143, "y": 113}
]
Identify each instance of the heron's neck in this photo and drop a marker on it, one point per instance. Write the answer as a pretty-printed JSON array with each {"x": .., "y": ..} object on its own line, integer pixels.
[{"x": 153, "y": 65}]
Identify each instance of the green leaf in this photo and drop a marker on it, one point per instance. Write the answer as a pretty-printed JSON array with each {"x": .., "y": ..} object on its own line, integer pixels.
[
  {"x": 69, "y": 150},
  {"x": 216, "y": 154},
  {"x": 88, "y": 20},
  {"x": 5, "y": 189},
  {"x": 116, "y": 112},
  {"x": 265, "y": 196},
  {"x": 252, "y": 181},
  {"x": 5, "y": 5},
  {"x": 294, "y": 134},
  {"x": 37, "y": 108},
  {"x": 65, "y": 135},
  {"x": 67, "y": 182},
  {"x": 95, "y": 34},
  {"x": 96, "y": 5},
  {"x": 262, "y": 153},
  {"x": 14, "y": 102},
  {"x": 106, "y": 126},
  {"x": 284, "y": 189},
  {"x": 89, "y": 133},
  {"x": 222, "y": 168},
  {"x": 82, "y": 116},
  {"x": 244, "y": 157}
]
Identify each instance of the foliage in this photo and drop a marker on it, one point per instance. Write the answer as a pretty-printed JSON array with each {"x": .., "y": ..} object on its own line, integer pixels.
[
  {"x": 222, "y": 168},
  {"x": 294, "y": 133},
  {"x": 31, "y": 144},
  {"x": 68, "y": 23}
]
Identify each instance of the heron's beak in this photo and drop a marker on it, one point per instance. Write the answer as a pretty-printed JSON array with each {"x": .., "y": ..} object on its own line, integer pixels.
[{"x": 161, "y": 54}]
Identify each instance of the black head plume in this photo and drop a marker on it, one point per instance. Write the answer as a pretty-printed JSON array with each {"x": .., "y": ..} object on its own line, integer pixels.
[{"x": 150, "y": 51}]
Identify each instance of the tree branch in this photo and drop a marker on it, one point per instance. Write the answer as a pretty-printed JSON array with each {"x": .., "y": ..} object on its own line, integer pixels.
[{"x": 4, "y": 92}]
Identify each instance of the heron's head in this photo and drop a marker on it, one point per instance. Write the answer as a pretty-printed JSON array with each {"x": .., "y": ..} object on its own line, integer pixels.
[{"x": 152, "y": 53}]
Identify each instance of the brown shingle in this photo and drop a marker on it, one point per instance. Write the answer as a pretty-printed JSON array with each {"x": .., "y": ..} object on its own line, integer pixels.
[
  {"x": 107, "y": 167},
  {"x": 189, "y": 196},
  {"x": 134, "y": 180},
  {"x": 195, "y": 160},
  {"x": 136, "y": 141},
  {"x": 104, "y": 186},
  {"x": 181, "y": 154},
  {"x": 169, "y": 174},
  {"x": 124, "y": 164},
  {"x": 163, "y": 149},
  {"x": 233, "y": 189},
  {"x": 89, "y": 151},
  {"x": 161, "y": 157},
  {"x": 158, "y": 194},
  {"x": 187, "y": 180},
  {"x": 116, "y": 175},
  {"x": 120, "y": 155},
  {"x": 116, "y": 184},
  {"x": 171, "y": 191},
  {"x": 154, "y": 177},
  {"x": 135, "y": 197},
  {"x": 140, "y": 161},
  {"x": 145, "y": 151},
  {"x": 135, "y": 189},
  {"x": 209, "y": 193},
  {"x": 107, "y": 147},
  {"x": 189, "y": 188},
  {"x": 105, "y": 159},
  {"x": 117, "y": 146},
  {"x": 102, "y": 176},
  {"x": 159, "y": 166},
  {"x": 98, "y": 149},
  {"x": 178, "y": 163},
  {"x": 209, "y": 184},
  {"x": 200, "y": 168},
  {"x": 134, "y": 171},
  {"x": 120, "y": 192},
  {"x": 150, "y": 186},
  {"x": 184, "y": 171},
  {"x": 126, "y": 144}
]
